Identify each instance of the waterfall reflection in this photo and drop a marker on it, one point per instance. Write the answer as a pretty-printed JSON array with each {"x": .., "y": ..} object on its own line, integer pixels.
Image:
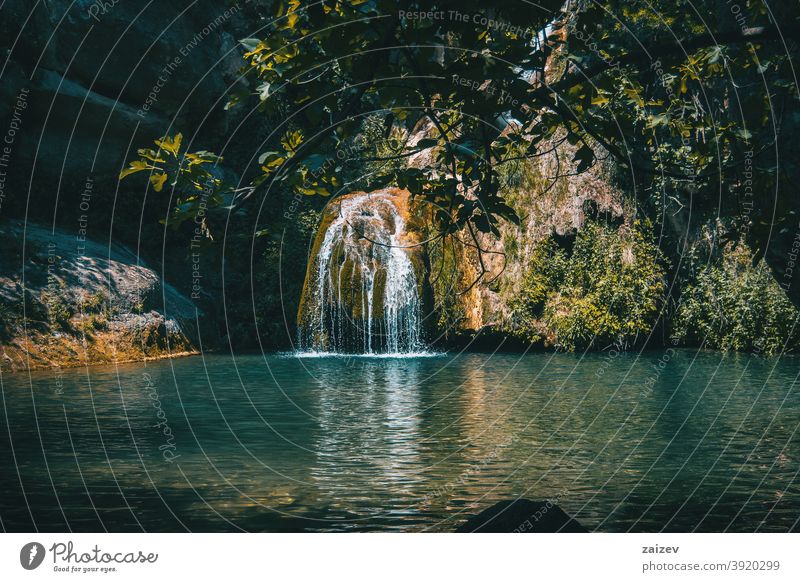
[{"x": 368, "y": 437}]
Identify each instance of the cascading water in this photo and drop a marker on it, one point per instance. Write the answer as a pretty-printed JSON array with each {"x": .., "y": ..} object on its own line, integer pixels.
[{"x": 362, "y": 294}]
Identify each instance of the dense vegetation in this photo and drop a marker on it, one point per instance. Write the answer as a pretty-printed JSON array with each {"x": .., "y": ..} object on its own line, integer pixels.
[
  {"x": 734, "y": 304},
  {"x": 608, "y": 290},
  {"x": 693, "y": 102},
  {"x": 489, "y": 87}
]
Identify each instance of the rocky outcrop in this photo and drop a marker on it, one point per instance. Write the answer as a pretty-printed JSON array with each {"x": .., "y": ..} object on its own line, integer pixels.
[
  {"x": 550, "y": 200},
  {"x": 522, "y": 516},
  {"x": 66, "y": 300},
  {"x": 83, "y": 84},
  {"x": 103, "y": 78}
]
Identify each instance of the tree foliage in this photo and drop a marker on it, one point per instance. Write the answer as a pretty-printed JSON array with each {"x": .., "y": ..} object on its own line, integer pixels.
[
  {"x": 608, "y": 290},
  {"x": 735, "y": 304},
  {"x": 678, "y": 93}
]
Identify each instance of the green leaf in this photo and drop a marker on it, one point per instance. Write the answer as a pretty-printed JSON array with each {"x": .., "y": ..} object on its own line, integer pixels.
[
  {"x": 133, "y": 167},
  {"x": 250, "y": 44},
  {"x": 170, "y": 144},
  {"x": 263, "y": 157},
  {"x": 263, "y": 90},
  {"x": 157, "y": 180}
]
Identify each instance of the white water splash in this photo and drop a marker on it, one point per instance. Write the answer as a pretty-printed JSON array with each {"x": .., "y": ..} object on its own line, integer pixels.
[{"x": 364, "y": 294}]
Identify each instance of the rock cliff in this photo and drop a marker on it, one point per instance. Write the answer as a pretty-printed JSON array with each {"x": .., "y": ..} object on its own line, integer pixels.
[{"x": 67, "y": 300}]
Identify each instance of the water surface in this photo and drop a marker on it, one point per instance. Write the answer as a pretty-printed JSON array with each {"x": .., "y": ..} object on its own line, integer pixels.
[{"x": 673, "y": 441}]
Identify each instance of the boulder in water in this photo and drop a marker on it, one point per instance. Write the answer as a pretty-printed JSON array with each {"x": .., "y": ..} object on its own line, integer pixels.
[{"x": 522, "y": 516}]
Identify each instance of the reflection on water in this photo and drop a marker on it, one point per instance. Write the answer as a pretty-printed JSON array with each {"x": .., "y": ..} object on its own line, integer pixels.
[
  {"x": 654, "y": 442},
  {"x": 369, "y": 435}
]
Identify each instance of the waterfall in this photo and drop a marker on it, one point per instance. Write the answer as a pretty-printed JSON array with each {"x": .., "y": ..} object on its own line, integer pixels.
[{"x": 362, "y": 294}]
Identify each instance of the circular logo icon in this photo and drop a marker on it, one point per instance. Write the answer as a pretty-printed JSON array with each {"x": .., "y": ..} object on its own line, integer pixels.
[{"x": 31, "y": 555}]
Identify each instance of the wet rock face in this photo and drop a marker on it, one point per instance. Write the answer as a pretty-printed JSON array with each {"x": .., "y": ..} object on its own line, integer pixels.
[
  {"x": 365, "y": 284},
  {"x": 66, "y": 301},
  {"x": 103, "y": 75},
  {"x": 83, "y": 85}
]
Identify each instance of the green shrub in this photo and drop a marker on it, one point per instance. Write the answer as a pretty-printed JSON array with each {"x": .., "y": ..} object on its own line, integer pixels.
[
  {"x": 34, "y": 308},
  {"x": 59, "y": 311},
  {"x": 608, "y": 290},
  {"x": 445, "y": 282},
  {"x": 545, "y": 273},
  {"x": 90, "y": 323},
  {"x": 576, "y": 322},
  {"x": 94, "y": 313},
  {"x": 736, "y": 305},
  {"x": 94, "y": 303}
]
